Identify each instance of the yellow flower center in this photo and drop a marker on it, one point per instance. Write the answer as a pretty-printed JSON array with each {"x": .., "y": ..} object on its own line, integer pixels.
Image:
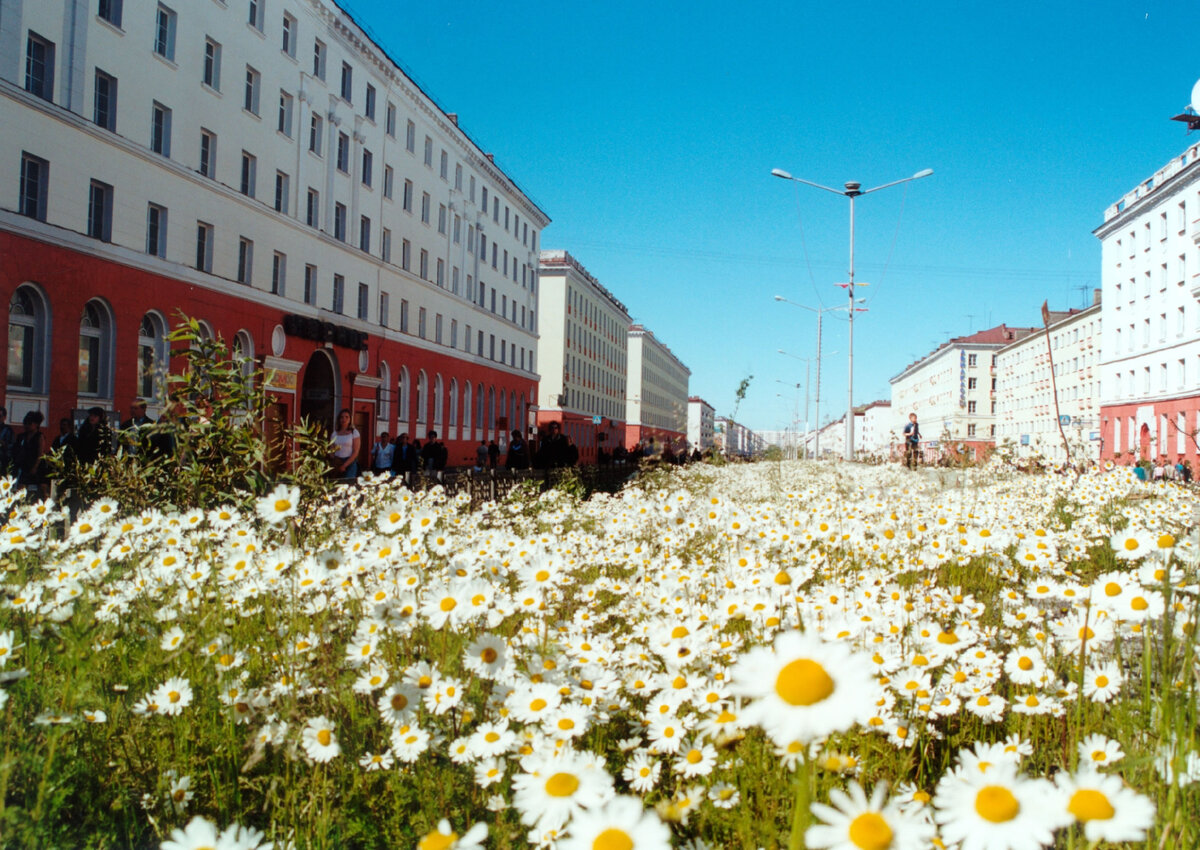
[
  {"x": 613, "y": 839},
  {"x": 324, "y": 737},
  {"x": 869, "y": 831},
  {"x": 1088, "y": 804},
  {"x": 1139, "y": 603},
  {"x": 448, "y": 604},
  {"x": 282, "y": 505},
  {"x": 562, "y": 785},
  {"x": 489, "y": 655},
  {"x": 438, "y": 841},
  {"x": 1026, "y": 663},
  {"x": 537, "y": 705},
  {"x": 1112, "y": 589},
  {"x": 695, "y": 757},
  {"x": 1101, "y": 681},
  {"x": 803, "y": 682},
  {"x": 997, "y": 804}
]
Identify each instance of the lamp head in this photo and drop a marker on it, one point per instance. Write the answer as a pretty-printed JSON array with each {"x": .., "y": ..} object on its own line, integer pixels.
[
  {"x": 923, "y": 173},
  {"x": 778, "y": 297},
  {"x": 779, "y": 172}
]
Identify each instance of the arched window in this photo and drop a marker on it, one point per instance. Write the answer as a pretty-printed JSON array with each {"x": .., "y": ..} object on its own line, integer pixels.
[
  {"x": 152, "y": 355},
  {"x": 467, "y": 410},
  {"x": 243, "y": 351},
  {"x": 491, "y": 409},
  {"x": 501, "y": 407},
  {"x": 383, "y": 395},
  {"x": 402, "y": 392},
  {"x": 437, "y": 401},
  {"x": 206, "y": 331},
  {"x": 453, "y": 402},
  {"x": 480, "y": 421},
  {"x": 95, "y": 350},
  {"x": 28, "y": 332},
  {"x": 422, "y": 399}
]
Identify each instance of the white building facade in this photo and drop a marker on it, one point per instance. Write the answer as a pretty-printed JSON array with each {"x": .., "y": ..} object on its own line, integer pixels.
[
  {"x": 1150, "y": 357},
  {"x": 656, "y": 406},
  {"x": 701, "y": 423},
  {"x": 268, "y": 168},
  {"x": 953, "y": 392},
  {"x": 1027, "y": 419},
  {"x": 583, "y": 355}
]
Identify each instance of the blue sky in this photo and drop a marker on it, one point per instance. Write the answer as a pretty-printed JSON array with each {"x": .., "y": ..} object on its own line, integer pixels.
[{"x": 648, "y": 132}]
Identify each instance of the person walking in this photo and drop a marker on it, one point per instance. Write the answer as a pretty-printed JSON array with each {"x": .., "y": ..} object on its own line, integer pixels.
[
  {"x": 517, "y": 457},
  {"x": 28, "y": 449},
  {"x": 912, "y": 441},
  {"x": 381, "y": 455}
]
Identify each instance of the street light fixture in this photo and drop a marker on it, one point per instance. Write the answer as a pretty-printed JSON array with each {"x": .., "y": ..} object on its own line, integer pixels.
[
  {"x": 807, "y": 383},
  {"x": 852, "y": 190}
]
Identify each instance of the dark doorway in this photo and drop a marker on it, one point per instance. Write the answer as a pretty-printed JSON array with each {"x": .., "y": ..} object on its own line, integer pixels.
[{"x": 317, "y": 393}]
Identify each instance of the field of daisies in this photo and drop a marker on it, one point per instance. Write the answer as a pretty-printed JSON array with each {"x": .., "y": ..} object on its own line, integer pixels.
[{"x": 769, "y": 655}]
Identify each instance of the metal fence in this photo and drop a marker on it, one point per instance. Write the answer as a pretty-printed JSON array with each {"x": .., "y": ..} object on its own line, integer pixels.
[{"x": 495, "y": 484}]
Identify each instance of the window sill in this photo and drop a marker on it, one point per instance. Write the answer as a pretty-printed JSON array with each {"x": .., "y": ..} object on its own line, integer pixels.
[
  {"x": 170, "y": 63},
  {"x": 107, "y": 24}
]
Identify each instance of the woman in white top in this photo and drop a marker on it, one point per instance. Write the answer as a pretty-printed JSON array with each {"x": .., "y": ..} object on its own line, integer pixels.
[{"x": 346, "y": 441}]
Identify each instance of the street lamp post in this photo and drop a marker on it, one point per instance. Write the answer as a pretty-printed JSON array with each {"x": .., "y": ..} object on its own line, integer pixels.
[
  {"x": 852, "y": 190},
  {"x": 796, "y": 404},
  {"x": 820, "y": 311}
]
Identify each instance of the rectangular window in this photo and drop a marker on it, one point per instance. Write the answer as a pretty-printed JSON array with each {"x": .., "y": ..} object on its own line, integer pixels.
[
  {"x": 425, "y": 204},
  {"x": 312, "y": 208},
  {"x": 156, "y": 230},
  {"x": 316, "y": 130},
  {"x": 971, "y": 382},
  {"x": 458, "y": 175},
  {"x": 410, "y": 137},
  {"x": 278, "y": 274},
  {"x": 390, "y": 124},
  {"x": 343, "y": 153},
  {"x": 428, "y": 152},
  {"x": 245, "y": 267},
  {"x": 347, "y": 82},
  {"x": 110, "y": 10},
  {"x": 285, "y": 113},
  {"x": 164, "y": 33},
  {"x": 383, "y": 308},
  {"x": 318, "y": 59},
  {"x": 253, "y": 80},
  {"x": 442, "y": 219},
  {"x": 289, "y": 36},
  {"x": 421, "y": 323},
  {"x": 388, "y": 181},
  {"x": 212, "y": 64},
  {"x": 971, "y": 359},
  {"x": 454, "y": 280},
  {"x": 204, "y": 246},
  {"x": 369, "y": 105},
  {"x": 971, "y": 430},
  {"x": 970, "y": 407},
  {"x": 403, "y": 316},
  {"x": 249, "y": 174},
  {"x": 444, "y": 167},
  {"x": 339, "y": 293},
  {"x": 35, "y": 180},
  {"x": 104, "y": 102},
  {"x": 363, "y": 295},
  {"x": 160, "y": 129},
  {"x": 454, "y": 333},
  {"x": 208, "y": 153},
  {"x": 437, "y": 328},
  {"x": 483, "y": 194},
  {"x": 283, "y": 186},
  {"x": 367, "y": 163},
  {"x": 457, "y": 230},
  {"x": 100, "y": 207},
  {"x": 479, "y": 343},
  {"x": 364, "y": 234},
  {"x": 255, "y": 18},
  {"x": 339, "y": 222},
  {"x": 424, "y": 264},
  {"x": 405, "y": 255},
  {"x": 385, "y": 245},
  {"x": 310, "y": 284},
  {"x": 441, "y": 272},
  {"x": 407, "y": 199}
]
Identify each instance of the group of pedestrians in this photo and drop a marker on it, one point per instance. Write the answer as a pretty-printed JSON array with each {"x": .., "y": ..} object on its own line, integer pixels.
[{"x": 388, "y": 457}]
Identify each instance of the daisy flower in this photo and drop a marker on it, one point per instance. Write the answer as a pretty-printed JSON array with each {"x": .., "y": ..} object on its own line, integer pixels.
[
  {"x": 803, "y": 688},
  {"x": 642, "y": 772},
  {"x": 553, "y": 789},
  {"x": 172, "y": 639},
  {"x": 1103, "y": 681},
  {"x": 997, "y": 810},
  {"x": 1099, "y": 751},
  {"x": 377, "y": 761},
  {"x": 319, "y": 740},
  {"x": 855, "y": 822},
  {"x": 1105, "y": 807},
  {"x": 724, "y": 796},
  {"x": 695, "y": 759},
  {"x": 621, "y": 822},
  {"x": 278, "y": 505},
  {"x": 172, "y": 696}
]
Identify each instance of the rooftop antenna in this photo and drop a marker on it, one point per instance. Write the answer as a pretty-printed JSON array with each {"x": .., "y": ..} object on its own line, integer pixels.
[
  {"x": 970, "y": 323},
  {"x": 1083, "y": 288},
  {"x": 1189, "y": 115}
]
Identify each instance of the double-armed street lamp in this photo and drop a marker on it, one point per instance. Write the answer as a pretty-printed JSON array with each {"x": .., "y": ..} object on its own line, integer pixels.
[{"x": 852, "y": 190}]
